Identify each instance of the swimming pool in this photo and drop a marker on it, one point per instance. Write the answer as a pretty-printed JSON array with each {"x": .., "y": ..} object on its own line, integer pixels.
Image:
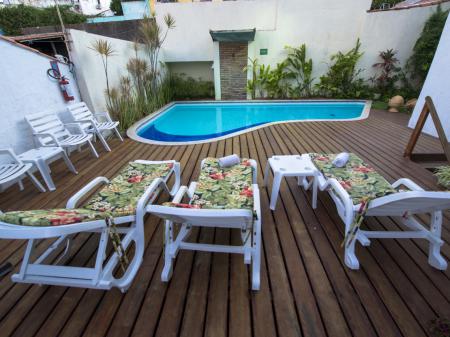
[{"x": 198, "y": 122}]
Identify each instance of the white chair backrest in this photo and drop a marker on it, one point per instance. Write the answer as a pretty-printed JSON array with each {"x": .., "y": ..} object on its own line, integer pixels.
[
  {"x": 47, "y": 122},
  {"x": 80, "y": 111},
  {"x": 415, "y": 202}
]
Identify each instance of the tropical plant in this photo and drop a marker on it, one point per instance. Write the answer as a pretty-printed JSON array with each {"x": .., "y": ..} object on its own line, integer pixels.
[
  {"x": 274, "y": 81},
  {"x": 116, "y": 7},
  {"x": 105, "y": 50},
  {"x": 14, "y": 18},
  {"x": 153, "y": 37},
  {"x": 254, "y": 83},
  {"x": 388, "y": 71},
  {"x": 147, "y": 86},
  {"x": 425, "y": 47},
  {"x": 341, "y": 80},
  {"x": 443, "y": 175},
  {"x": 300, "y": 69}
]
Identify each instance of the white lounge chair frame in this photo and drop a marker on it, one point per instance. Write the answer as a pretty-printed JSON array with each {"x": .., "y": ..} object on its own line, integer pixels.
[
  {"x": 49, "y": 130},
  {"x": 88, "y": 120},
  {"x": 242, "y": 219},
  {"x": 402, "y": 205},
  {"x": 101, "y": 275},
  {"x": 16, "y": 171}
]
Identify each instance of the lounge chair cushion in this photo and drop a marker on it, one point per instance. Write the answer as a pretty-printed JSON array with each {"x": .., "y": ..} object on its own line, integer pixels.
[
  {"x": 50, "y": 217},
  {"x": 359, "y": 179},
  {"x": 121, "y": 195},
  {"x": 222, "y": 188}
]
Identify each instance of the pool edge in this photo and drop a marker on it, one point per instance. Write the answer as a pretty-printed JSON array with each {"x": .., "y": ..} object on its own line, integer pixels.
[{"x": 132, "y": 130}]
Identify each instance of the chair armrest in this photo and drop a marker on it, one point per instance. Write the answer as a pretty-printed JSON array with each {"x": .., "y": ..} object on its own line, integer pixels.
[
  {"x": 103, "y": 114},
  {"x": 12, "y": 154},
  {"x": 73, "y": 201},
  {"x": 45, "y": 134},
  {"x": 75, "y": 125},
  {"x": 143, "y": 200},
  {"x": 408, "y": 183},
  {"x": 180, "y": 194},
  {"x": 256, "y": 201},
  {"x": 342, "y": 194}
]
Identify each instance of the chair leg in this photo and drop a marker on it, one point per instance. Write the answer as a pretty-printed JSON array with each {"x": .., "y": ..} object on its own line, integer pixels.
[
  {"x": 256, "y": 255},
  {"x": 94, "y": 152},
  {"x": 118, "y": 134},
  {"x": 20, "y": 182},
  {"x": 168, "y": 259},
  {"x": 35, "y": 182},
  {"x": 68, "y": 162},
  {"x": 103, "y": 140},
  {"x": 350, "y": 258},
  {"x": 435, "y": 258}
]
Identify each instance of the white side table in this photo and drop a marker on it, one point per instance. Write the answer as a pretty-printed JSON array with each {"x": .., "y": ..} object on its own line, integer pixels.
[
  {"x": 299, "y": 166},
  {"x": 42, "y": 157}
]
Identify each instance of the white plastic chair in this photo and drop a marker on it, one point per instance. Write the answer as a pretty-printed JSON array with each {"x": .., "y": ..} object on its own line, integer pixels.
[
  {"x": 15, "y": 171},
  {"x": 88, "y": 120},
  {"x": 403, "y": 205},
  {"x": 246, "y": 220},
  {"x": 49, "y": 130},
  {"x": 100, "y": 276}
]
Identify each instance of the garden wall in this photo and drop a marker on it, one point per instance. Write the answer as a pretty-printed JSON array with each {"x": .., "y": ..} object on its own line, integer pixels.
[
  {"x": 25, "y": 88},
  {"x": 436, "y": 86},
  {"x": 326, "y": 26},
  {"x": 89, "y": 67}
]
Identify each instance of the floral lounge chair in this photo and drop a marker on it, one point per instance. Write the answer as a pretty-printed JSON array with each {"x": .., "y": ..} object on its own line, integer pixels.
[
  {"x": 121, "y": 201},
  {"x": 359, "y": 191},
  {"x": 222, "y": 197}
]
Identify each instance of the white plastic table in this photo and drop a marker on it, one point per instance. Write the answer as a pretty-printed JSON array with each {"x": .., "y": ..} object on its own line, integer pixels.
[
  {"x": 42, "y": 157},
  {"x": 299, "y": 166}
]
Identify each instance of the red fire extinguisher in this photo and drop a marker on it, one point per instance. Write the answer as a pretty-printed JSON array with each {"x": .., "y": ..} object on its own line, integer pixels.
[
  {"x": 65, "y": 89},
  {"x": 63, "y": 82}
]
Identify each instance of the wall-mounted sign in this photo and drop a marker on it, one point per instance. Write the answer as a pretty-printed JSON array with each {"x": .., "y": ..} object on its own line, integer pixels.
[{"x": 263, "y": 51}]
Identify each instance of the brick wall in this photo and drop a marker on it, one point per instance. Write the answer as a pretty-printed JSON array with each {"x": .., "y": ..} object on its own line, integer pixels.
[{"x": 233, "y": 58}]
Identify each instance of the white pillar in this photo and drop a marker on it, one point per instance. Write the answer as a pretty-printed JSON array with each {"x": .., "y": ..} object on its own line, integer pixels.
[{"x": 216, "y": 67}]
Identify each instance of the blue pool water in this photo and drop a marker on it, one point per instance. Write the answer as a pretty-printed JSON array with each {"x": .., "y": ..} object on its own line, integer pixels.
[{"x": 183, "y": 122}]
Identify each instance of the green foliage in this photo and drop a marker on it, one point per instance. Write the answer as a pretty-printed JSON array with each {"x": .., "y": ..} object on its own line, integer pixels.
[
  {"x": 380, "y": 105},
  {"x": 14, "y": 18},
  {"x": 341, "y": 80},
  {"x": 378, "y": 4},
  {"x": 116, "y": 7},
  {"x": 388, "y": 73},
  {"x": 254, "y": 83},
  {"x": 300, "y": 70},
  {"x": 443, "y": 175},
  {"x": 426, "y": 45},
  {"x": 146, "y": 88},
  {"x": 274, "y": 81},
  {"x": 183, "y": 88}
]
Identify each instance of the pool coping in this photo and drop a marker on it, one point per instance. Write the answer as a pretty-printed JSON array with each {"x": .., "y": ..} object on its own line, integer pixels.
[{"x": 132, "y": 130}]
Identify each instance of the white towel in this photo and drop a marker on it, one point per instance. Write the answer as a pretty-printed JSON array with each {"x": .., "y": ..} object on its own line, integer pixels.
[
  {"x": 229, "y": 160},
  {"x": 341, "y": 159}
]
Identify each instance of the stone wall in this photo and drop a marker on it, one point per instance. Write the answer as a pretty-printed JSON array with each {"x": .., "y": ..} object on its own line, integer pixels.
[{"x": 233, "y": 59}]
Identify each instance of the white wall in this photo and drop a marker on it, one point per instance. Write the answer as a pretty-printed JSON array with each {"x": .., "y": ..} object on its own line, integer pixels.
[
  {"x": 89, "y": 67},
  {"x": 25, "y": 88},
  {"x": 437, "y": 87},
  {"x": 326, "y": 26}
]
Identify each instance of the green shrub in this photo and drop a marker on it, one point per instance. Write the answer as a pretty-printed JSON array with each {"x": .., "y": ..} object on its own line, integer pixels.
[
  {"x": 377, "y": 4},
  {"x": 341, "y": 80},
  {"x": 443, "y": 175},
  {"x": 388, "y": 73},
  {"x": 300, "y": 69},
  {"x": 14, "y": 18},
  {"x": 186, "y": 88},
  {"x": 116, "y": 7},
  {"x": 426, "y": 45}
]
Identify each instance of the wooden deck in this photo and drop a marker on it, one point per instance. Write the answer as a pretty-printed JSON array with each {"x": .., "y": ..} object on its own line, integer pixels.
[{"x": 306, "y": 289}]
